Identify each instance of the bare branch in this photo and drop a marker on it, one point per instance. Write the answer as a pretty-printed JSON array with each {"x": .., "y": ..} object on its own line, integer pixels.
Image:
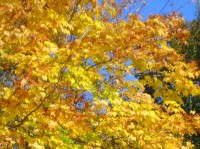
[
  {"x": 164, "y": 6},
  {"x": 103, "y": 62},
  {"x": 74, "y": 11},
  {"x": 150, "y": 73}
]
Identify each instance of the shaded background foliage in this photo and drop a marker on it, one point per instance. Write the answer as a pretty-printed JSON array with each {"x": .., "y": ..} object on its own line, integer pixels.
[{"x": 192, "y": 53}]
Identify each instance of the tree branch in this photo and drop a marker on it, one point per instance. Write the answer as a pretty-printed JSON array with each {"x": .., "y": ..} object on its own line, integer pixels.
[
  {"x": 164, "y": 7},
  {"x": 103, "y": 62},
  {"x": 74, "y": 11},
  {"x": 31, "y": 112},
  {"x": 150, "y": 73},
  {"x": 26, "y": 117},
  {"x": 124, "y": 4}
]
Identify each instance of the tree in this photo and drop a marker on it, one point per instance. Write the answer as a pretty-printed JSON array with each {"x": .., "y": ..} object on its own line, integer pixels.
[
  {"x": 65, "y": 68},
  {"x": 192, "y": 53}
]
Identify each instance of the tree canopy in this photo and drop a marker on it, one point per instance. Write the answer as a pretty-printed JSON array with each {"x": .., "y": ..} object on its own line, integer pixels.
[{"x": 73, "y": 74}]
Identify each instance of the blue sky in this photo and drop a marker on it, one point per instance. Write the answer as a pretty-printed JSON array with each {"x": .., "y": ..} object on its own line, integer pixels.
[{"x": 186, "y": 7}]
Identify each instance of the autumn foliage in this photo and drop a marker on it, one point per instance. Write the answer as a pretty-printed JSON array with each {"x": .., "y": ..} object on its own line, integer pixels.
[{"x": 75, "y": 75}]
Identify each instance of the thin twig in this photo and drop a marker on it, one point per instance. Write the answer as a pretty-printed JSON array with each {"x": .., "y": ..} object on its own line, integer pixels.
[
  {"x": 164, "y": 6},
  {"x": 103, "y": 62},
  {"x": 182, "y": 6},
  {"x": 31, "y": 112},
  {"x": 74, "y": 11},
  {"x": 89, "y": 27}
]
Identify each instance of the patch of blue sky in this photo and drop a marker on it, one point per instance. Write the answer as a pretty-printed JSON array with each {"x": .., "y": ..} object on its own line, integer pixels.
[
  {"x": 7, "y": 78},
  {"x": 88, "y": 96},
  {"x": 53, "y": 55},
  {"x": 159, "y": 100},
  {"x": 90, "y": 62},
  {"x": 129, "y": 77},
  {"x": 65, "y": 70},
  {"x": 70, "y": 38},
  {"x": 164, "y": 7}
]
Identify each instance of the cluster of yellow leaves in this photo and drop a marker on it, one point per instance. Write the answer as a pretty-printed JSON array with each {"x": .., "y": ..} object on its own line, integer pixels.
[{"x": 52, "y": 52}]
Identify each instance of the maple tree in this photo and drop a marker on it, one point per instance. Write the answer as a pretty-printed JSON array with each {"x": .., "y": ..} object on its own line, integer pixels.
[{"x": 65, "y": 69}]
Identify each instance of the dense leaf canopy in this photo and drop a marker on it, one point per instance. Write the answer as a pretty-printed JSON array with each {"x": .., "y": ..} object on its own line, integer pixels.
[{"x": 74, "y": 75}]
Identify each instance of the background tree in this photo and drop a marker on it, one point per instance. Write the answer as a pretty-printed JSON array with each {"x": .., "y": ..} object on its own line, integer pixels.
[{"x": 192, "y": 53}]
